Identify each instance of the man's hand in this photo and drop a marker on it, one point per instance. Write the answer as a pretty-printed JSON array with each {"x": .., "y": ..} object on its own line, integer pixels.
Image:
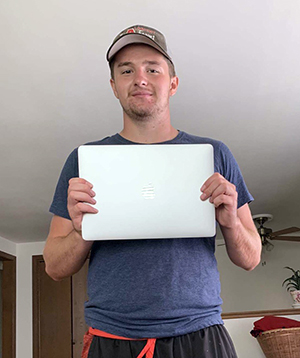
[
  {"x": 242, "y": 241},
  {"x": 80, "y": 195},
  {"x": 223, "y": 195},
  {"x": 65, "y": 251}
]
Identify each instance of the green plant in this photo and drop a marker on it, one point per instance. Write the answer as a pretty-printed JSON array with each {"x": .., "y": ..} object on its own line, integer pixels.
[{"x": 292, "y": 283}]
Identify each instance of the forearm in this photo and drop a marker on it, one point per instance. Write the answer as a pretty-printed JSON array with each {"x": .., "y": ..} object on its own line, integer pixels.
[
  {"x": 242, "y": 240},
  {"x": 243, "y": 245},
  {"x": 66, "y": 251},
  {"x": 65, "y": 255}
]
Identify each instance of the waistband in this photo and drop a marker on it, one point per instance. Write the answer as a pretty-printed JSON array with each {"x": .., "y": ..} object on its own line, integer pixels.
[{"x": 148, "y": 350}]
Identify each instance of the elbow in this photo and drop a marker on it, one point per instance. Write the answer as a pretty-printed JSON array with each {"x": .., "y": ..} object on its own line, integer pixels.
[
  {"x": 251, "y": 267},
  {"x": 51, "y": 269},
  {"x": 56, "y": 270},
  {"x": 52, "y": 274},
  {"x": 255, "y": 257},
  {"x": 254, "y": 263}
]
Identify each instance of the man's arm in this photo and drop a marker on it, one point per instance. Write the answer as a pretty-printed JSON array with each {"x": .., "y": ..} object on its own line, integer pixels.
[
  {"x": 243, "y": 243},
  {"x": 242, "y": 240},
  {"x": 65, "y": 251}
]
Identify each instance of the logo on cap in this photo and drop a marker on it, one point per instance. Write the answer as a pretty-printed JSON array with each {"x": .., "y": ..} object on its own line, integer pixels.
[{"x": 142, "y": 31}]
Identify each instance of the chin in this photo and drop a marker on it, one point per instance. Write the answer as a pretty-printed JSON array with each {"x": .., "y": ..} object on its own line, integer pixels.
[{"x": 140, "y": 114}]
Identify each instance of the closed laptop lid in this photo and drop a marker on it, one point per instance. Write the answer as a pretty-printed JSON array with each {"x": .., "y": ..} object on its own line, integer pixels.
[{"x": 147, "y": 191}]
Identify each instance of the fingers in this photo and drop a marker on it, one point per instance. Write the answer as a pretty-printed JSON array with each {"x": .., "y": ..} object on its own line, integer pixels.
[
  {"x": 223, "y": 200},
  {"x": 80, "y": 191},
  {"x": 223, "y": 195},
  {"x": 79, "y": 184},
  {"x": 80, "y": 195},
  {"x": 219, "y": 191},
  {"x": 80, "y": 208}
]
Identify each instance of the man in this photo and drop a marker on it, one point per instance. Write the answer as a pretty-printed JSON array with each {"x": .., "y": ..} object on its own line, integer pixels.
[{"x": 151, "y": 289}]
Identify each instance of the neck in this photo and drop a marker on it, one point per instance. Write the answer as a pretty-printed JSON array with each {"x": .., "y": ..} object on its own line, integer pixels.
[{"x": 148, "y": 131}]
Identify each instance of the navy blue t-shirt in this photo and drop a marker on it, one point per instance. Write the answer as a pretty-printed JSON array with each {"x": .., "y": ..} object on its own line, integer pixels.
[{"x": 153, "y": 288}]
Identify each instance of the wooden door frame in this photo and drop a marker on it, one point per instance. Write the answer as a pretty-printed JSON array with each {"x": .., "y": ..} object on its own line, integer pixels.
[
  {"x": 35, "y": 304},
  {"x": 8, "y": 305},
  {"x": 78, "y": 297}
]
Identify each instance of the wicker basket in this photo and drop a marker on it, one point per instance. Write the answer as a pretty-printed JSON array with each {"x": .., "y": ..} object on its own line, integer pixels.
[{"x": 281, "y": 343}]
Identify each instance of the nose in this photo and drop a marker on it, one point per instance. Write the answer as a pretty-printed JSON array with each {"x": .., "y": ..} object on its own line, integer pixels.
[{"x": 140, "y": 78}]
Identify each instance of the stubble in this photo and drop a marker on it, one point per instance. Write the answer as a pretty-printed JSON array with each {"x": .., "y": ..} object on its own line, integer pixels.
[{"x": 142, "y": 112}]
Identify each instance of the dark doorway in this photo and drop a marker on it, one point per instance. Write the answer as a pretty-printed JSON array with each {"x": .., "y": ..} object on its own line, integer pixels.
[
  {"x": 58, "y": 313},
  {"x": 8, "y": 298}
]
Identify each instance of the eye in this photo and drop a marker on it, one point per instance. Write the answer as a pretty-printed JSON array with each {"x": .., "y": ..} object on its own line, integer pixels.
[
  {"x": 126, "y": 72},
  {"x": 152, "y": 70}
]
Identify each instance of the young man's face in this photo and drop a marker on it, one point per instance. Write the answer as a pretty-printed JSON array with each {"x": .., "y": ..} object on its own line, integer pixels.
[{"x": 142, "y": 82}]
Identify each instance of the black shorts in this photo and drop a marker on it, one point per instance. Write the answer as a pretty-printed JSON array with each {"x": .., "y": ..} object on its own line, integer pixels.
[{"x": 210, "y": 342}]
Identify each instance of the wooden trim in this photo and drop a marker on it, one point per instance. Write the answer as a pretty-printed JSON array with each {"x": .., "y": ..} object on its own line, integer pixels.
[
  {"x": 6, "y": 257},
  {"x": 36, "y": 319},
  {"x": 8, "y": 305},
  {"x": 247, "y": 314},
  {"x": 45, "y": 308}
]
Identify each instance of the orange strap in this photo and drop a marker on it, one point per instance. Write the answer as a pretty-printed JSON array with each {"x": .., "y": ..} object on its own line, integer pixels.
[{"x": 148, "y": 350}]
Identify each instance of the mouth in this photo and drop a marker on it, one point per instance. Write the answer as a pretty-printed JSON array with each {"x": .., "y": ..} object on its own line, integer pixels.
[{"x": 141, "y": 94}]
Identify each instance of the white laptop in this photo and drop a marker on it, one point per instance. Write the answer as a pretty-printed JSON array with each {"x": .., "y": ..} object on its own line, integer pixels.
[{"x": 147, "y": 191}]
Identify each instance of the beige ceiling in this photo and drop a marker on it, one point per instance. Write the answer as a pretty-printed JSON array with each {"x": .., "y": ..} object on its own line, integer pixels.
[{"x": 238, "y": 65}]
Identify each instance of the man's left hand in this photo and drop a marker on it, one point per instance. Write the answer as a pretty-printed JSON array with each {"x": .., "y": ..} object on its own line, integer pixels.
[{"x": 223, "y": 195}]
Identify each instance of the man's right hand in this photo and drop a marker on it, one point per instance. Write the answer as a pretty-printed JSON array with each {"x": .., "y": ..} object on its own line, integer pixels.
[{"x": 80, "y": 195}]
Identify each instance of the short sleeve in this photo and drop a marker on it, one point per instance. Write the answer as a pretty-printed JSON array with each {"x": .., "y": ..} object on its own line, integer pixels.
[
  {"x": 226, "y": 165},
  {"x": 70, "y": 170}
]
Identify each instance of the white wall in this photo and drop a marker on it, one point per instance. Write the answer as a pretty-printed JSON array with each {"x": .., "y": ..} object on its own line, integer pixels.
[
  {"x": 8, "y": 247},
  {"x": 260, "y": 289}
]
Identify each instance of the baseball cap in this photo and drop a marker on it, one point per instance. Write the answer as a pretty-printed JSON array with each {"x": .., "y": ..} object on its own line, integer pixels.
[{"x": 138, "y": 34}]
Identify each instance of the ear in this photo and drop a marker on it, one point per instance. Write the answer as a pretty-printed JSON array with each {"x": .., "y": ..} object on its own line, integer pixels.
[
  {"x": 174, "y": 85},
  {"x": 113, "y": 86}
]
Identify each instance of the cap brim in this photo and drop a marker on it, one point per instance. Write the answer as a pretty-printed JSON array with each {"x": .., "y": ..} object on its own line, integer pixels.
[{"x": 129, "y": 39}]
